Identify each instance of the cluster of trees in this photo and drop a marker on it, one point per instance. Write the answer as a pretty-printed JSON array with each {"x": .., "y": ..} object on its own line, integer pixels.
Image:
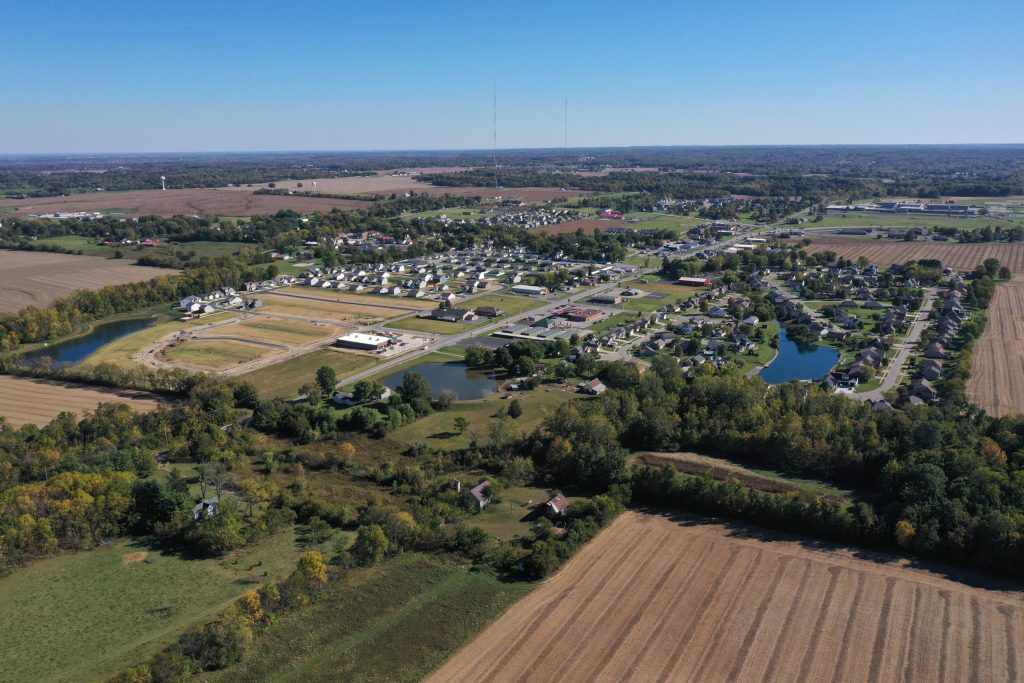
[{"x": 519, "y": 358}]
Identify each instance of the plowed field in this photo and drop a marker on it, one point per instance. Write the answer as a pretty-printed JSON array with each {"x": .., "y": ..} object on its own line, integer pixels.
[
  {"x": 35, "y": 401},
  {"x": 997, "y": 367},
  {"x": 886, "y": 252},
  {"x": 655, "y": 598},
  {"x": 35, "y": 278}
]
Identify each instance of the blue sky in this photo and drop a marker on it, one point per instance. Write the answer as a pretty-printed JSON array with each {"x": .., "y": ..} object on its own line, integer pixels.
[{"x": 210, "y": 76}]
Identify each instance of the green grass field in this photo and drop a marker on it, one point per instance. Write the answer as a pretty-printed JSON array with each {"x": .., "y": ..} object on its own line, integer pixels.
[
  {"x": 120, "y": 351},
  {"x": 215, "y": 354},
  {"x": 514, "y": 515},
  {"x": 609, "y": 322},
  {"x": 284, "y": 379},
  {"x": 395, "y": 622},
  {"x": 510, "y": 305},
  {"x": 85, "y": 616},
  {"x": 89, "y": 247},
  {"x": 433, "y": 326},
  {"x": 293, "y": 332},
  {"x": 437, "y": 430}
]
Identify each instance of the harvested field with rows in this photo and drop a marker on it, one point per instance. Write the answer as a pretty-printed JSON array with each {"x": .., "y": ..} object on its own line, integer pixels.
[
  {"x": 886, "y": 252},
  {"x": 35, "y": 278},
  {"x": 659, "y": 598},
  {"x": 35, "y": 401},
  {"x": 997, "y": 365},
  {"x": 383, "y": 185},
  {"x": 198, "y": 201}
]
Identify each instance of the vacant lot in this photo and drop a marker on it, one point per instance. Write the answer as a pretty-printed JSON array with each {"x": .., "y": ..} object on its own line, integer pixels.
[
  {"x": 509, "y": 305},
  {"x": 431, "y": 326},
  {"x": 886, "y": 252},
  {"x": 997, "y": 368},
  {"x": 86, "y": 616},
  {"x": 279, "y": 330},
  {"x": 217, "y": 354},
  {"x": 655, "y": 598},
  {"x": 126, "y": 351},
  {"x": 29, "y": 278},
  {"x": 196, "y": 201},
  {"x": 588, "y": 225},
  {"x": 395, "y": 622},
  {"x": 284, "y": 379},
  {"x": 35, "y": 401}
]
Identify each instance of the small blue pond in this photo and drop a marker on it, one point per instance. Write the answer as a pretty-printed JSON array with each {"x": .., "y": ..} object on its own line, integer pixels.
[
  {"x": 456, "y": 377},
  {"x": 799, "y": 361},
  {"x": 73, "y": 351}
]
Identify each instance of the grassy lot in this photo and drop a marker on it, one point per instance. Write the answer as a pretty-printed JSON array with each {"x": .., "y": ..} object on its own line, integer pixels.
[
  {"x": 437, "y": 429},
  {"x": 514, "y": 515},
  {"x": 665, "y": 287},
  {"x": 120, "y": 351},
  {"x": 433, "y": 326},
  {"x": 88, "y": 615},
  {"x": 292, "y": 332},
  {"x": 609, "y": 322},
  {"x": 89, "y": 247},
  {"x": 663, "y": 221},
  {"x": 510, "y": 305},
  {"x": 284, "y": 379},
  {"x": 395, "y": 622},
  {"x": 215, "y": 354},
  {"x": 365, "y": 298}
]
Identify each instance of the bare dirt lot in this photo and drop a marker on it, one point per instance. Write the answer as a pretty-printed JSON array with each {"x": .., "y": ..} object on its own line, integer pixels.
[
  {"x": 587, "y": 224},
  {"x": 886, "y": 252},
  {"x": 37, "y": 278},
  {"x": 198, "y": 201},
  {"x": 997, "y": 367},
  {"x": 34, "y": 401},
  {"x": 655, "y": 598},
  {"x": 387, "y": 184}
]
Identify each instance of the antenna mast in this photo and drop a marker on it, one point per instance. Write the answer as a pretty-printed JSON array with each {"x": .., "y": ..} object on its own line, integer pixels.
[
  {"x": 495, "y": 112},
  {"x": 565, "y": 141}
]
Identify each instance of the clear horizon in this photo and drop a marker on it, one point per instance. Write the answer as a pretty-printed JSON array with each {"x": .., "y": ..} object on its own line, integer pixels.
[{"x": 198, "y": 77}]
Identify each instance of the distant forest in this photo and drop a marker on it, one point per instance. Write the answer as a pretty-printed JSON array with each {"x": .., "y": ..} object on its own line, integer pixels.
[{"x": 683, "y": 172}]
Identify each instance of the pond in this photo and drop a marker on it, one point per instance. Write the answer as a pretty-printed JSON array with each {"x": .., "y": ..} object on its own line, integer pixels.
[
  {"x": 467, "y": 384},
  {"x": 64, "y": 354},
  {"x": 799, "y": 361}
]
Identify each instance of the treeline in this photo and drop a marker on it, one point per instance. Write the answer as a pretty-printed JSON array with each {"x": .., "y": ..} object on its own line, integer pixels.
[
  {"x": 944, "y": 477},
  {"x": 64, "y": 315}
]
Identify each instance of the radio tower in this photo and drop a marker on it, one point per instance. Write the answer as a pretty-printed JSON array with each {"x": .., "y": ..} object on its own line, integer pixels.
[
  {"x": 565, "y": 139},
  {"x": 495, "y": 148}
]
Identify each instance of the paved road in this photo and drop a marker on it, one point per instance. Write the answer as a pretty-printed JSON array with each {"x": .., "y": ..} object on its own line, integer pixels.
[{"x": 894, "y": 371}]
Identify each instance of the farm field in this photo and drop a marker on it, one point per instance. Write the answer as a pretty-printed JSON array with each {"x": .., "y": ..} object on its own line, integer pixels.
[
  {"x": 284, "y": 379},
  {"x": 886, "y": 252},
  {"x": 30, "y": 278},
  {"x": 216, "y": 354},
  {"x": 588, "y": 225},
  {"x": 25, "y": 400},
  {"x": 683, "y": 598},
  {"x": 395, "y": 622},
  {"x": 87, "y": 615},
  {"x": 89, "y": 247},
  {"x": 388, "y": 184},
  {"x": 997, "y": 365},
  {"x": 874, "y": 220},
  {"x": 192, "y": 201}
]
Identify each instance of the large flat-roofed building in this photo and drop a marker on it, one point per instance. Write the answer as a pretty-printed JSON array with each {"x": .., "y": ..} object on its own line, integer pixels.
[
  {"x": 363, "y": 342},
  {"x": 529, "y": 290}
]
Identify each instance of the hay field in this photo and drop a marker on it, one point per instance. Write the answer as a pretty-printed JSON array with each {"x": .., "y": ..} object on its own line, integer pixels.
[
  {"x": 655, "y": 598},
  {"x": 997, "y": 366},
  {"x": 34, "y": 401},
  {"x": 284, "y": 379},
  {"x": 192, "y": 201},
  {"x": 886, "y": 252},
  {"x": 30, "y": 278}
]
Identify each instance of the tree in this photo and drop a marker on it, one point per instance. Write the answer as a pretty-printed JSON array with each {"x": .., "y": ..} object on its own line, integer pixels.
[
  {"x": 1005, "y": 273},
  {"x": 319, "y": 529},
  {"x": 366, "y": 391},
  {"x": 371, "y": 545},
  {"x": 312, "y": 569},
  {"x": 515, "y": 408},
  {"x": 312, "y": 393},
  {"x": 446, "y": 399},
  {"x": 415, "y": 391},
  {"x": 461, "y": 424},
  {"x": 523, "y": 366},
  {"x": 327, "y": 380}
]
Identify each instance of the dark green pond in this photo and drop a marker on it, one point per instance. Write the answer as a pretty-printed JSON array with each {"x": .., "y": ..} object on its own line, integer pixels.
[{"x": 456, "y": 377}]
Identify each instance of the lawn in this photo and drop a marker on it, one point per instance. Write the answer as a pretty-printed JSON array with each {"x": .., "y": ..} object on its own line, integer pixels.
[
  {"x": 437, "y": 430},
  {"x": 394, "y": 622},
  {"x": 609, "y": 322},
  {"x": 666, "y": 287},
  {"x": 510, "y": 305},
  {"x": 292, "y": 332},
  {"x": 515, "y": 515},
  {"x": 765, "y": 353},
  {"x": 432, "y": 326},
  {"x": 215, "y": 354},
  {"x": 87, "y": 615},
  {"x": 284, "y": 379}
]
